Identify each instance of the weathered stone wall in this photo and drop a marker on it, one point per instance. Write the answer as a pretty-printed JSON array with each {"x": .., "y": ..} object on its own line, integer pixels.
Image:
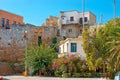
[
  {"x": 52, "y": 21},
  {"x": 48, "y": 34},
  {"x": 10, "y": 68},
  {"x": 12, "y": 42},
  {"x": 12, "y": 45},
  {"x": 5, "y": 69}
]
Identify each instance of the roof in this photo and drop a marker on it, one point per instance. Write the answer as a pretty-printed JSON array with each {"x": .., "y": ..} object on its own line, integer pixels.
[
  {"x": 70, "y": 39},
  {"x": 78, "y": 12},
  {"x": 69, "y": 11},
  {"x": 10, "y": 12}
]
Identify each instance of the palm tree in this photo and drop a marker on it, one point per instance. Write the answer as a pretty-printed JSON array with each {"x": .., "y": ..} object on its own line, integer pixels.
[{"x": 39, "y": 58}]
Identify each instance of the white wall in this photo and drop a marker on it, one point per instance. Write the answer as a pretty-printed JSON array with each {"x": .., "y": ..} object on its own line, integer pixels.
[
  {"x": 67, "y": 15},
  {"x": 63, "y": 47},
  {"x": 80, "y": 50},
  {"x": 77, "y": 15}
]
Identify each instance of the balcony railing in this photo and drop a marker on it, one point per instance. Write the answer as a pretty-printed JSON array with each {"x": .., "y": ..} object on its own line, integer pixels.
[
  {"x": 73, "y": 22},
  {"x": 70, "y": 22}
]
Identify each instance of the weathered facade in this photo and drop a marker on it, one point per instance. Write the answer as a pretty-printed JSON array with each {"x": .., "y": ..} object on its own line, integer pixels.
[
  {"x": 51, "y": 21},
  {"x": 13, "y": 44},
  {"x": 48, "y": 34},
  {"x": 51, "y": 28},
  {"x": 71, "y": 23},
  {"x": 7, "y": 19}
]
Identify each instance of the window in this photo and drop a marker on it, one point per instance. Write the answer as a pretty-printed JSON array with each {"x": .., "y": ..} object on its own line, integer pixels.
[
  {"x": 72, "y": 18},
  {"x": 85, "y": 19},
  {"x": 7, "y": 24},
  {"x": 81, "y": 21},
  {"x": 3, "y": 22},
  {"x": 73, "y": 47},
  {"x": 70, "y": 30}
]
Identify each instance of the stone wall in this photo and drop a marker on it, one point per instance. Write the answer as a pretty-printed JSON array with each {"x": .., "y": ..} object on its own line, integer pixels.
[
  {"x": 13, "y": 43},
  {"x": 10, "y": 68},
  {"x": 52, "y": 21}
]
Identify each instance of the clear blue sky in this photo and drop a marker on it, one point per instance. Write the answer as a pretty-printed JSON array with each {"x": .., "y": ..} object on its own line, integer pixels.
[{"x": 36, "y": 11}]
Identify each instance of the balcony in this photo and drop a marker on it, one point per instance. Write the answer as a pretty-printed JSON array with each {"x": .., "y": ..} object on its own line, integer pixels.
[{"x": 70, "y": 22}]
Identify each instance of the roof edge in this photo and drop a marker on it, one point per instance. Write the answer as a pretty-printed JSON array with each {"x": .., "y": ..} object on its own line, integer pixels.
[{"x": 11, "y": 13}]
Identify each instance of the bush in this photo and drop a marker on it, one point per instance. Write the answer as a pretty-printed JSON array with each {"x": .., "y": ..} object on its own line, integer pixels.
[
  {"x": 76, "y": 75},
  {"x": 72, "y": 65},
  {"x": 58, "y": 73},
  {"x": 88, "y": 75},
  {"x": 66, "y": 75},
  {"x": 39, "y": 58}
]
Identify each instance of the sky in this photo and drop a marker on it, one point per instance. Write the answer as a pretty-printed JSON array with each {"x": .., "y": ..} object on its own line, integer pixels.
[{"x": 36, "y": 11}]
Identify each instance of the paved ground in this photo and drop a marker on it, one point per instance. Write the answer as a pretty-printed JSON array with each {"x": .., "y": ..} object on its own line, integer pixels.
[{"x": 46, "y": 78}]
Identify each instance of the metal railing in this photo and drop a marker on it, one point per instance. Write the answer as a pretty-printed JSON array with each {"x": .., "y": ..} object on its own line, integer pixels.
[{"x": 73, "y": 22}]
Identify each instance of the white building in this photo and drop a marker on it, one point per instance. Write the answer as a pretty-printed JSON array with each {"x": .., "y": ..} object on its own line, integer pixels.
[
  {"x": 71, "y": 23},
  {"x": 71, "y": 46}
]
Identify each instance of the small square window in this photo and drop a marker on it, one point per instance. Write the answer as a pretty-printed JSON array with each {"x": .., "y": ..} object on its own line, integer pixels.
[
  {"x": 72, "y": 18},
  {"x": 85, "y": 19},
  {"x": 81, "y": 21}
]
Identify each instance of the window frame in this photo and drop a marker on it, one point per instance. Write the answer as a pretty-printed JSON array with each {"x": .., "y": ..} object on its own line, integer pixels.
[
  {"x": 72, "y": 18},
  {"x": 73, "y": 47},
  {"x": 85, "y": 19}
]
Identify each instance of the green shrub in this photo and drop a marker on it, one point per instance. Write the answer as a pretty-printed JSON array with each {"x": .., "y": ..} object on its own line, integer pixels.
[
  {"x": 76, "y": 75},
  {"x": 86, "y": 75},
  {"x": 58, "y": 73},
  {"x": 66, "y": 75}
]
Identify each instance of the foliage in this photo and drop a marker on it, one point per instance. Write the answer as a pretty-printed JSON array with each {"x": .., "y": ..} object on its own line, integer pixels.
[
  {"x": 68, "y": 66},
  {"x": 54, "y": 40},
  {"x": 102, "y": 47},
  {"x": 39, "y": 41},
  {"x": 39, "y": 58},
  {"x": 92, "y": 58},
  {"x": 54, "y": 44}
]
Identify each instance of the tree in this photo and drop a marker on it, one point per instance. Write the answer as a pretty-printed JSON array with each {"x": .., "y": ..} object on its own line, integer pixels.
[
  {"x": 92, "y": 59},
  {"x": 39, "y": 58},
  {"x": 103, "y": 45},
  {"x": 114, "y": 44},
  {"x": 54, "y": 44}
]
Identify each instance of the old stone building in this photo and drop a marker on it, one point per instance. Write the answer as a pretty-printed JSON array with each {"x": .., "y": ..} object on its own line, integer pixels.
[
  {"x": 48, "y": 34},
  {"x": 51, "y": 29},
  {"x": 13, "y": 43},
  {"x": 8, "y": 18},
  {"x": 71, "y": 23},
  {"x": 51, "y": 21}
]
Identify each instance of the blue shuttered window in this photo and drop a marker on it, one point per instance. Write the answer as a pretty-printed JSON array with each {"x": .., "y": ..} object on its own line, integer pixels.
[{"x": 73, "y": 47}]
